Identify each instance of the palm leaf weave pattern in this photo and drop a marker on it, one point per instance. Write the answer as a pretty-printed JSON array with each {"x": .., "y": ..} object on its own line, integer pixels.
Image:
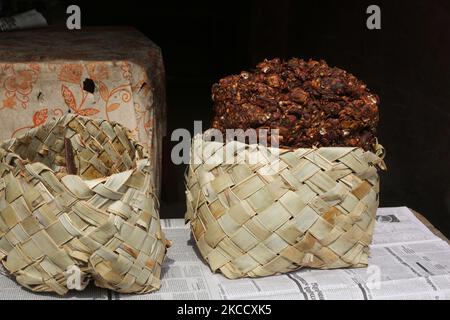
[
  {"x": 305, "y": 208},
  {"x": 103, "y": 220}
]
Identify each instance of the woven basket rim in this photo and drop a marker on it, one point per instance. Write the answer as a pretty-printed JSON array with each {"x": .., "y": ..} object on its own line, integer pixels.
[
  {"x": 380, "y": 151},
  {"x": 67, "y": 118}
]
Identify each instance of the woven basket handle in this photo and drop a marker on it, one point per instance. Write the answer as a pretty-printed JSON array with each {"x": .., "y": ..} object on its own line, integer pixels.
[{"x": 380, "y": 152}]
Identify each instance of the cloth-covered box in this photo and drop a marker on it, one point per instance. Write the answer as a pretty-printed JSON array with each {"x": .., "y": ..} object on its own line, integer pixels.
[{"x": 112, "y": 73}]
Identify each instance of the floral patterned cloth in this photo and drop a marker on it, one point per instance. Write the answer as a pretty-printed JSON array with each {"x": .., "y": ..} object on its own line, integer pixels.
[{"x": 111, "y": 73}]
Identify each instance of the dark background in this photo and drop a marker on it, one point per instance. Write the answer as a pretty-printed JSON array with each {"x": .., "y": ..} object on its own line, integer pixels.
[{"x": 407, "y": 63}]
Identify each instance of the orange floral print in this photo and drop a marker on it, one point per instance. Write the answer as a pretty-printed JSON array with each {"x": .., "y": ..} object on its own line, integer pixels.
[
  {"x": 70, "y": 101},
  {"x": 69, "y": 98},
  {"x": 71, "y": 73},
  {"x": 40, "y": 117},
  {"x": 21, "y": 82},
  {"x": 126, "y": 70},
  {"x": 9, "y": 103},
  {"x": 18, "y": 85},
  {"x": 122, "y": 91},
  {"x": 97, "y": 71}
]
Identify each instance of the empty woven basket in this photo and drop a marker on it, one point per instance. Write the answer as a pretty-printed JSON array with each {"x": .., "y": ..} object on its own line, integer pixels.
[
  {"x": 76, "y": 194},
  {"x": 253, "y": 214}
]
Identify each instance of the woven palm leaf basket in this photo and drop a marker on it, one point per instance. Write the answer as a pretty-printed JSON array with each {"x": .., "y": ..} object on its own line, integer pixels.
[
  {"x": 302, "y": 208},
  {"x": 76, "y": 194}
]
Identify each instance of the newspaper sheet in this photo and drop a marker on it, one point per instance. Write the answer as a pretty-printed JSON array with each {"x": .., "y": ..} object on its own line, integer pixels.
[
  {"x": 11, "y": 290},
  {"x": 25, "y": 20},
  {"x": 407, "y": 262}
]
